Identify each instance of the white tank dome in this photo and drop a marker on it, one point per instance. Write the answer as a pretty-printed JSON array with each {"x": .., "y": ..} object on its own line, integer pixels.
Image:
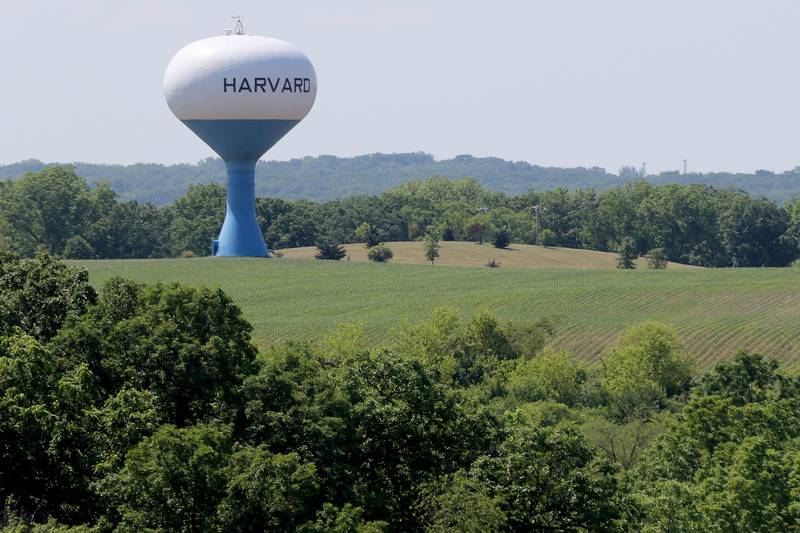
[{"x": 240, "y": 77}]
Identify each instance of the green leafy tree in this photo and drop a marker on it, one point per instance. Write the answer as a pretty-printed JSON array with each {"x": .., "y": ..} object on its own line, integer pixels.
[
  {"x": 288, "y": 225},
  {"x": 197, "y": 218},
  {"x": 466, "y": 352},
  {"x": 729, "y": 461},
  {"x": 459, "y": 503},
  {"x": 548, "y": 238},
  {"x": 549, "y": 479},
  {"x": 44, "y": 209},
  {"x": 27, "y": 372},
  {"x": 132, "y": 231},
  {"x": 292, "y": 405},
  {"x": 78, "y": 248},
  {"x": 123, "y": 420},
  {"x": 345, "y": 519},
  {"x": 753, "y": 233},
  {"x": 345, "y": 341},
  {"x": 684, "y": 222},
  {"x": 405, "y": 424},
  {"x": 626, "y": 259},
  {"x": 173, "y": 480},
  {"x": 555, "y": 376},
  {"x": 435, "y": 341},
  {"x": 6, "y": 236},
  {"x": 746, "y": 378},
  {"x": 646, "y": 366},
  {"x": 449, "y": 233},
  {"x": 621, "y": 443},
  {"x": 369, "y": 234},
  {"x": 373, "y": 424},
  {"x": 477, "y": 231},
  {"x": 657, "y": 259},
  {"x": 431, "y": 246},
  {"x": 46, "y": 432},
  {"x": 501, "y": 238},
  {"x": 190, "y": 347},
  {"x": 528, "y": 338},
  {"x": 267, "y": 492},
  {"x": 38, "y": 295}
]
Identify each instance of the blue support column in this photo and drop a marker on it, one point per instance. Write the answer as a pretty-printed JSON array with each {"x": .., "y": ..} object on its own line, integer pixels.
[
  {"x": 240, "y": 234},
  {"x": 240, "y": 143}
]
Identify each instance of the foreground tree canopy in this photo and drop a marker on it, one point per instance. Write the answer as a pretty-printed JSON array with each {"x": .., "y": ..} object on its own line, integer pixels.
[
  {"x": 147, "y": 408},
  {"x": 56, "y": 211}
]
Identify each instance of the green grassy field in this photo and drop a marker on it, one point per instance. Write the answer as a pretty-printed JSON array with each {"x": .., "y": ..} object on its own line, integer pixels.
[{"x": 716, "y": 311}]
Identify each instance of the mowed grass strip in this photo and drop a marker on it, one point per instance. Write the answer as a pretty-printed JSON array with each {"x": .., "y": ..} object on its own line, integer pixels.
[
  {"x": 459, "y": 253},
  {"x": 716, "y": 311}
]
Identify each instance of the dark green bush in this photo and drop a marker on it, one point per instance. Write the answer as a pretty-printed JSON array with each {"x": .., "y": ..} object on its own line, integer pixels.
[{"x": 380, "y": 253}]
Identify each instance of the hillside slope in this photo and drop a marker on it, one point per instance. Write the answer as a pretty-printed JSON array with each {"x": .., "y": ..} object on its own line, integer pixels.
[
  {"x": 470, "y": 254},
  {"x": 715, "y": 311}
]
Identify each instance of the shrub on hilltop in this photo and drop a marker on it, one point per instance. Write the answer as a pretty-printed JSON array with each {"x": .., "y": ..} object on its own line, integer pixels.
[
  {"x": 380, "y": 253},
  {"x": 330, "y": 251}
]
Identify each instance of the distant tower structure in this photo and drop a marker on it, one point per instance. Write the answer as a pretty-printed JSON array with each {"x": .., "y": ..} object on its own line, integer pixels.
[
  {"x": 238, "y": 29},
  {"x": 643, "y": 171},
  {"x": 536, "y": 209},
  {"x": 240, "y": 94},
  {"x": 685, "y": 166}
]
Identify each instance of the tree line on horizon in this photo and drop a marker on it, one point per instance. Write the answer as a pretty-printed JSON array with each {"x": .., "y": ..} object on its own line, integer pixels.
[
  {"x": 328, "y": 177},
  {"x": 58, "y": 212},
  {"x": 148, "y": 408}
]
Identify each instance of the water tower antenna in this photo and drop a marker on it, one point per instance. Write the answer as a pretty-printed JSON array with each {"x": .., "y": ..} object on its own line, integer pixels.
[{"x": 238, "y": 29}]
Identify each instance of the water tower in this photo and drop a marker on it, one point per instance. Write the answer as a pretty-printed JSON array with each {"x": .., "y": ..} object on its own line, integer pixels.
[{"x": 240, "y": 94}]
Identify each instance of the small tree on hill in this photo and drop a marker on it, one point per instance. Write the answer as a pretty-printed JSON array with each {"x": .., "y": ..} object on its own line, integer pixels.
[
  {"x": 431, "y": 246},
  {"x": 368, "y": 234},
  {"x": 626, "y": 259},
  {"x": 477, "y": 231},
  {"x": 547, "y": 238},
  {"x": 501, "y": 238},
  {"x": 448, "y": 234},
  {"x": 657, "y": 259},
  {"x": 380, "y": 253},
  {"x": 329, "y": 250},
  {"x": 78, "y": 248}
]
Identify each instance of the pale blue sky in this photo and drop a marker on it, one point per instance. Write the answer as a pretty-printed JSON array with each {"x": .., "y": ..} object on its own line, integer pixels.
[{"x": 559, "y": 82}]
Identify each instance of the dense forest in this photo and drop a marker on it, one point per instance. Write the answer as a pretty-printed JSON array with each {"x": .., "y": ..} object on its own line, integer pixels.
[
  {"x": 326, "y": 177},
  {"x": 147, "y": 408},
  {"x": 58, "y": 212}
]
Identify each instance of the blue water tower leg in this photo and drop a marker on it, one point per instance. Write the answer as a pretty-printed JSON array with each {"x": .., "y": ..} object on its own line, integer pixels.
[{"x": 240, "y": 235}]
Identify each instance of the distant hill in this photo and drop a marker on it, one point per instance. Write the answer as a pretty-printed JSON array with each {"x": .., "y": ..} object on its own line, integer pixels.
[{"x": 326, "y": 177}]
